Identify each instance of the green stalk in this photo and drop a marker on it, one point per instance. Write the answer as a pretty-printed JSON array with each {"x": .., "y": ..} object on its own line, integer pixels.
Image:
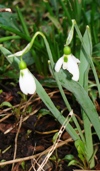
[
  {"x": 23, "y": 23},
  {"x": 25, "y": 30},
  {"x": 55, "y": 74},
  {"x": 42, "y": 93},
  {"x": 28, "y": 47},
  {"x": 48, "y": 7},
  {"x": 72, "y": 86},
  {"x": 62, "y": 93},
  {"x": 22, "y": 35},
  {"x": 67, "y": 14},
  {"x": 3, "y": 39}
]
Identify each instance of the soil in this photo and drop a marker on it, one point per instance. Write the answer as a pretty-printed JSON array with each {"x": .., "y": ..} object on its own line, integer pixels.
[{"x": 26, "y": 135}]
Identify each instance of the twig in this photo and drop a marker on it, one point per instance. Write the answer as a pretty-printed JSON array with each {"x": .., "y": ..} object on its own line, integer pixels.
[
  {"x": 24, "y": 119},
  {"x": 52, "y": 149},
  {"x": 7, "y": 116},
  {"x": 35, "y": 100},
  {"x": 16, "y": 138},
  {"x": 36, "y": 155}
]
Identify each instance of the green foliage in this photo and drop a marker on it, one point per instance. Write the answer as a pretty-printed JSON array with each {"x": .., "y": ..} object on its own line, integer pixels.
[
  {"x": 55, "y": 24},
  {"x": 43, "y": 112},
  {"x": 81, "y": 161},
  {"x": 7, "y": 104},
  {"x": 61, "y": 18}
]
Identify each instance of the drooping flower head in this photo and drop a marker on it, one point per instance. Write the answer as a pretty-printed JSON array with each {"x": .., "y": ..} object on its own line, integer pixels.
[
  {"x": 26, "y": 79},
  {"x": 68, "y": 62}
]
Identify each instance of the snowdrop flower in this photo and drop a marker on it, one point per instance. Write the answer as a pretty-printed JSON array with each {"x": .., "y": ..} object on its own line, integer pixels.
[
  {"x": 26, "y": 79},
  {"x": 68, "y": 62}
]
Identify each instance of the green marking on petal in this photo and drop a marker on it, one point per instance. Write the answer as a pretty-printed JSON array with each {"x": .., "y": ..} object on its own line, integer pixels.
[
  {"x": 65, "y": 58},
  {"x": 21, "y": 73}
]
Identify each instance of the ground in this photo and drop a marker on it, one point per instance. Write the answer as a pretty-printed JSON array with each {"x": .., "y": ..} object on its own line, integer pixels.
[{"x": 27, "y": 130}]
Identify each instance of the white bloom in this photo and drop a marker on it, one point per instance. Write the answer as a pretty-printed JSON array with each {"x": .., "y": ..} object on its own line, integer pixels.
[
  {"x": 71, "y": 65},
  {"x": 27, "y": 82}
]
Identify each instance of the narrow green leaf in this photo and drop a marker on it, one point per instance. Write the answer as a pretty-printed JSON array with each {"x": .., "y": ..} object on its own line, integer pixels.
[
  {"x": 82, "y": 98},
  {"x": 6, "y": 38},
  {"x": 88, "y": 57},
  {"x": 12, "y": 60},
  {"x": 23, "y": 23},
  {"x": 47, "y": 101},
  {"x": 13, "y": 30},
  {"x": 84, "y": 71},
  {"x": 70, "y": 35},
  {"x": 43, "y": 95},
  {"x": 55, "y": 22}
]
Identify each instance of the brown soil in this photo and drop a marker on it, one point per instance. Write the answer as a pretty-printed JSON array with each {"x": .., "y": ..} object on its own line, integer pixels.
[{"x": 28, "y": 135}]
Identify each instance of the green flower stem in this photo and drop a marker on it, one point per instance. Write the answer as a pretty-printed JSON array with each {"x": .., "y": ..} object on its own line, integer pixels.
[
  {"x": 40, "y": 91},
  {"x": 62, "y": 93},
  {"x": 28, "y": 47},
  {"x": 55, "y": 74}
]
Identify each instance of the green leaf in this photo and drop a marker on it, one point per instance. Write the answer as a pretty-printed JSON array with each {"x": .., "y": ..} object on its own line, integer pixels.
[
  {"x": 83, "y": 99},
  {"x": 69, "y": 157},
  {"x": 48, "y": 102},
  {"x": 48, "y": 82},
  {"x": 23, "y": 165},
  {"x": 9, "y": 19},
  {"x": 84, "y": 64},
  {"x": 28, "y": 58},
  {"x": 55, "y": 137},
  {"x": 55, "y": 22},
  {"x": 73, "y": 162},
  {"x": 70, "y": 35},
  {"x": 6, "y": 104},
  {"x": 43, "y": 112},
  {"x": 12, "y": 60},
  {"x": 41, "y": 92},
  {"x": 80, "y": 146},
  {"x": 88, "y": 57},
  {"x": 84, "y": 71}
]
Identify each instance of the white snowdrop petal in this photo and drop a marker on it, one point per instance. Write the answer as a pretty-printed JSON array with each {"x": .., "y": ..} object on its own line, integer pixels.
[
  {"x": 31, "y": 86},
  {"x": 59, "y": 64},
  {"x": 74, "y": 58},
  {"x": 27, "y": 82},
  {"x": 22, "y": 84},
  {"x": 72, "y": 67},
  {"x": 64, "y": 66},
  {"x": 75, "y": 73}
]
